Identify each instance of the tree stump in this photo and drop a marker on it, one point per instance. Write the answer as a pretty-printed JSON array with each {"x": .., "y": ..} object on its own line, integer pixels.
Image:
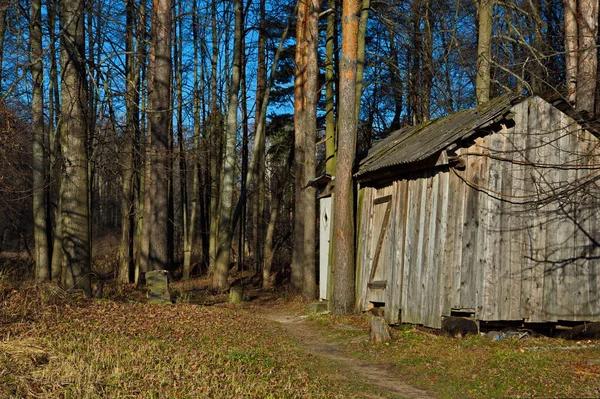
[
  {"x": 157, "y": 283},
  {"x": 380, "y": 332},
  {"x": 236, "y": 294}
]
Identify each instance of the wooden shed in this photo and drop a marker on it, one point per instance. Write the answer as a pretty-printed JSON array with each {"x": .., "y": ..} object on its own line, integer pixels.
[{"x": 491, "y": 212}]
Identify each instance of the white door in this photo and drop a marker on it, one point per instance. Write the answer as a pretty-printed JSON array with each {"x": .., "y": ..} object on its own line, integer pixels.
[{"x": 324, "y": 239}]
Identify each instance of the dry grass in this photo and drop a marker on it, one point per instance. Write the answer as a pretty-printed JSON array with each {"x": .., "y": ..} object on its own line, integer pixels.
[{"x": 105, "y": 349}]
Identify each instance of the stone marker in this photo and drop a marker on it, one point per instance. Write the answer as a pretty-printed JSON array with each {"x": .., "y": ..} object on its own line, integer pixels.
[
  {"x": 380, "y": 332},
  {"x": 316, "y": 307},
  {"x": 236, "y": 294},
  {"x": 459, "y": 326},
  {"x": 157, "y": 284}
]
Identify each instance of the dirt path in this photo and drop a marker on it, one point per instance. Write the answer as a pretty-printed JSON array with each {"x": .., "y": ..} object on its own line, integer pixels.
[{"x": 379, "y": 375}]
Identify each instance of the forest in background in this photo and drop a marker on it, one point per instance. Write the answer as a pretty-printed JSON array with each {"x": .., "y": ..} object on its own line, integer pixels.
[{"x": 182, "y": 135}]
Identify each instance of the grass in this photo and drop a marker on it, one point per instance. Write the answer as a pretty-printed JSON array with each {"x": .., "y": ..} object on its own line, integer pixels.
[
  {"x": 476, "y": 366},
  {"x": 56, "y": 346}
]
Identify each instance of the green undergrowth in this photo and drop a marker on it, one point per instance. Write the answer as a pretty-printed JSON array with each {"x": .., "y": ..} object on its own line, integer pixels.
[
  {"x": 105, "y": 349},
  {"x": 475, "y": 366}
]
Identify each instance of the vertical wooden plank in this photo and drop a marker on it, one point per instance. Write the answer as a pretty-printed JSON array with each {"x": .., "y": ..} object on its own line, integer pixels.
[
  {"x": 458, "y": 191},
  {"x": 430, "y": 272},
  {"x": 509, "y": 284},
  {"x": 590, "y": 248},
  {"x": 575, "y": 271},
  {"x": 469, "y": 272},
  {"x": 442, "y": 262},
  {"x": 412, "y": 211},
  {"x": 421, "y": 245},
  {"x": 517, "y": 295},
  {"x": 367, "y": 222},
  {"x": 534, "y": 153},
  {"x": 395, "y": 294},
  {"x": 492, "y": 231}
]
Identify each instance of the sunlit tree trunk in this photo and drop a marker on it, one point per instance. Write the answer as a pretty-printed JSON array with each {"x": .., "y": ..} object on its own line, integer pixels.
[
  {"x": 40, "y": 236},
  {"x": 343, "y": 219},
  {"x": 75, "y": 242},
  {"x": 484, "y": 51},
  {"x": 229, "y": 161},
  {"x": 297, "y": 276}
]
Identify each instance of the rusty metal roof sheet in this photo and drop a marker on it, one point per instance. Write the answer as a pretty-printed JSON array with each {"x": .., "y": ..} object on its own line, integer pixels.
[{"x": 416, "y": 143}]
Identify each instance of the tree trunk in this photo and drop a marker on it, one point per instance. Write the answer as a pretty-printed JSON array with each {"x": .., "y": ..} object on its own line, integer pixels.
[
  {"x": 427, "y": 63},
  {"x": 183, "y": 186},
  {"x": 195, "y": 190},
  {"x": 141, "y": 242},
  {"x": 159, "y": 117},
  {"x": 40, "y": 228},
  {"x": 3, "y": 12},
  {"x": 131, "y": 105},
  {"x": 484, "y": 51},
  {"x": 360, "y": 54},
  {"x": 229, "y": 159},
  {"x": 297, "y": 277},
  {"x": 311, "y": 92},
  {"x": 571, "y": 47},
  {"x": 587, "y": 56},
  {"x": 330, "y": 138},
  {"x": 214, "y": 145},
  {"x": 259, "y": 138},
  {"x": 269, "y": 254},
  {"x": 75, "y": 212},
  {"x": 259, "y": 181},
  {"x": 343, "y": 219}
]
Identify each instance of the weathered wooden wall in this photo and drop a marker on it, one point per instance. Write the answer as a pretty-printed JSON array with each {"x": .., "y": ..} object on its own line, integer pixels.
[{"x": 513, "y": 236}]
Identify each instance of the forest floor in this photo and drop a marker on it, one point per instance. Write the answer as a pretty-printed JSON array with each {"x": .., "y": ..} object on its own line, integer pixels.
[{"x": 56, "y": 345}]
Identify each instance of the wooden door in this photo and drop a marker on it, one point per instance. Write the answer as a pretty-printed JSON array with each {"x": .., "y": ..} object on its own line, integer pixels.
[{"x": 379, "y": 270}]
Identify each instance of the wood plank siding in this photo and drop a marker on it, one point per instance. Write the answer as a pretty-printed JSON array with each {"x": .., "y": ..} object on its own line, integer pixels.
[{"x": 509, "y": 230}]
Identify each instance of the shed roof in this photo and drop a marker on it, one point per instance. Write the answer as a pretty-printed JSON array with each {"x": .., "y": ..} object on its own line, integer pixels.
[{"x": 417, "y": 143}]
